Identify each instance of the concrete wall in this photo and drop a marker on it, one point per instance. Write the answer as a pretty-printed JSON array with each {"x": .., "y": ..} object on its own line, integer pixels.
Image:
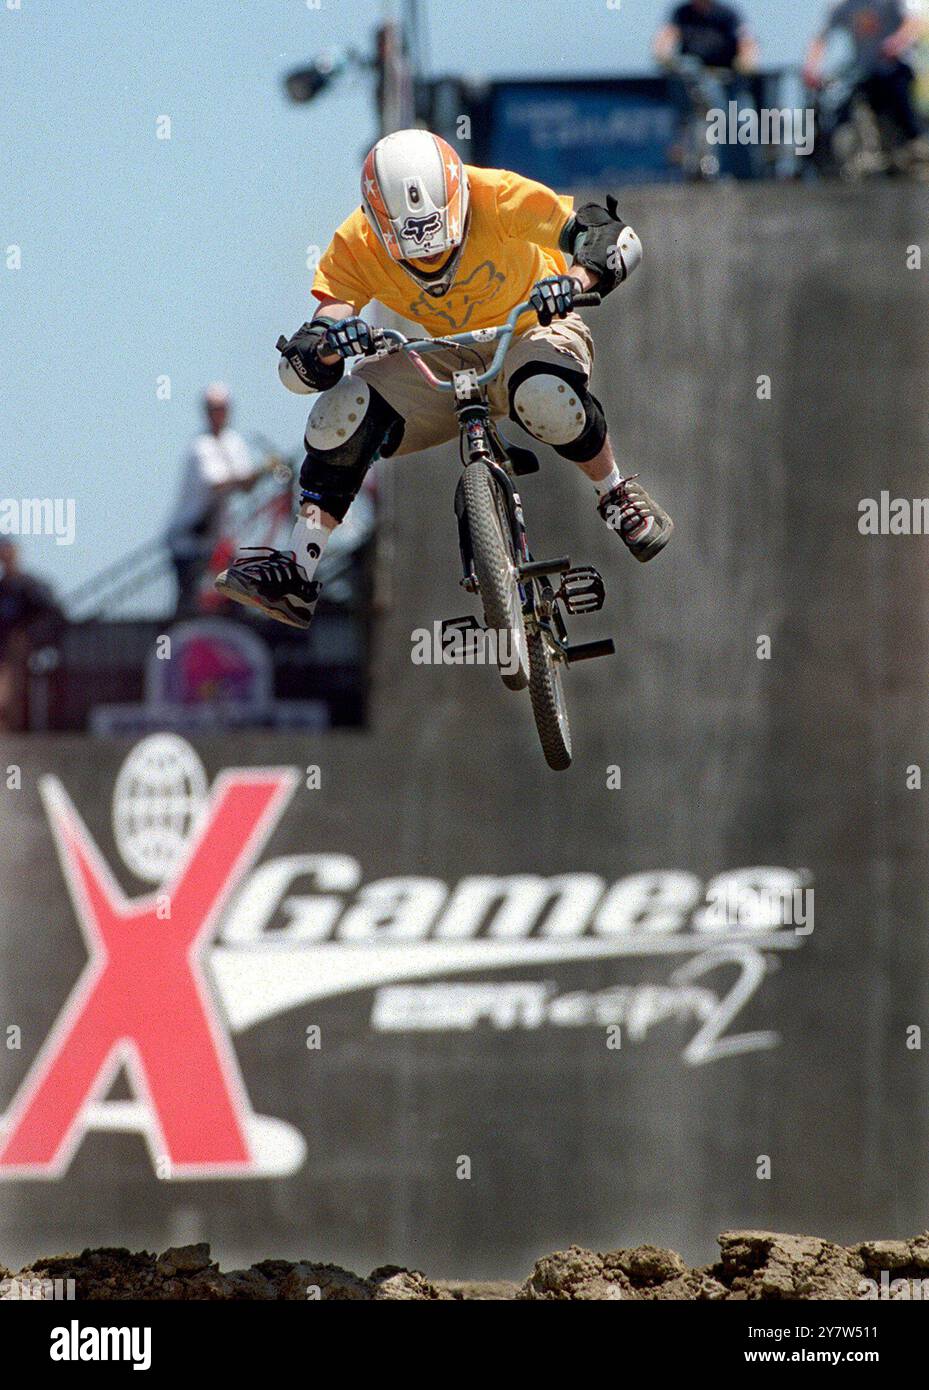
[{"x": 727, "y": 762}]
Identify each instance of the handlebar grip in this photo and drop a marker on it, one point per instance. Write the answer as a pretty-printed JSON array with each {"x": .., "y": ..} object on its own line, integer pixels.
[{"x": 588, "y": 300}]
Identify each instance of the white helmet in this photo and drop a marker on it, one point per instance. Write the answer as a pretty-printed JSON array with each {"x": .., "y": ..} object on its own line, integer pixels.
[{"x": 415, "y": 194}]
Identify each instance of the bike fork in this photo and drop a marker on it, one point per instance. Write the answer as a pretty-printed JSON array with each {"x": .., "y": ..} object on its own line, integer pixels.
[{"x": 474, "y": 421}]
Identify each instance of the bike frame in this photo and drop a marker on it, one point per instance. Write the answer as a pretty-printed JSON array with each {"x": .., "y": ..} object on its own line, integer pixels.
[
  {"x": 482, "y": 444},
  {"x": 477, "y": 429}
]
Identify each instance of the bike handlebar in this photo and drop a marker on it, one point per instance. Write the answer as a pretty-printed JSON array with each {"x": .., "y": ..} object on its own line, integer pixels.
[{"x": 415, "y": 347}]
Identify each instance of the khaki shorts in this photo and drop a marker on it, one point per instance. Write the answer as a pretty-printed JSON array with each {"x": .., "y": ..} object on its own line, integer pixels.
[{"x": 429, "y": 415}]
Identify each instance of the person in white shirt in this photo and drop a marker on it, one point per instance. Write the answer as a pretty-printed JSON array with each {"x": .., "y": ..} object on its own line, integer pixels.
[{"x": 217, "y": 464}]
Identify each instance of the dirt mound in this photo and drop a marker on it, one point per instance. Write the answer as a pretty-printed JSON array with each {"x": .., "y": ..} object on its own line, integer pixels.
[
  {"x": 752, "y": 1265},
  {"x": 646, "y": 1272},
  {"x": 188, "y": 1272}
]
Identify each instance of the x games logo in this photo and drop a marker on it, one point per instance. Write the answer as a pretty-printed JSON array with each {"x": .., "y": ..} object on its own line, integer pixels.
[{"x": 148, "y": 1001}]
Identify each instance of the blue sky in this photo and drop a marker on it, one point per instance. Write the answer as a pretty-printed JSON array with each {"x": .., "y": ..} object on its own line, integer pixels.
[{"x": 144, "y": 258}]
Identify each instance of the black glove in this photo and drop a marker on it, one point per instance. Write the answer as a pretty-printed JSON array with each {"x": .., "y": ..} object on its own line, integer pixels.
[
  {"x": 350, "y": 338},
  {"x": 302, "y": 353},
  {"x": 553, "y": 297}
]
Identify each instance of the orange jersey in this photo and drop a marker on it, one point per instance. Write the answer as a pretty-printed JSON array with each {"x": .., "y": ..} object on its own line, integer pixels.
[{"x": 512, "y": 242}]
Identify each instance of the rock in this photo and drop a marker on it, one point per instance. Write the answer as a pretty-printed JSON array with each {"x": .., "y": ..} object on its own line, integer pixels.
[
  {"x": 886, "y": 1254},
  {"x": 183, "y": 1259},
  {"x": 600, "y": 1289},
  {"x": 480, "y": 1290},
  {"x": 695, "y": 1286},
  {"x": 919, "y": 1251},
  {"x": 27, "y": 1284},
  {"x": 393, "y": 1282},
  {"x": 767, "y": 1264},
  {"x": 559, "y": 1274},
  {"x": 299, "y": 1282},
  {"x": 649, "y": 1264},
  {"x": 577, "y": 1273},
  {"x": 108, "y": 1273}
]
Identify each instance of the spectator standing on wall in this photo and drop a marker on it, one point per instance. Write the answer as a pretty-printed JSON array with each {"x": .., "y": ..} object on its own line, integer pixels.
[
  {"x": 218, "y": 464},
  {"x": 708, "y": 51},
  {"x": 883, "y": 33},
  {"x": 713, "y": 33},
  {"x": 28, "y": 615}
]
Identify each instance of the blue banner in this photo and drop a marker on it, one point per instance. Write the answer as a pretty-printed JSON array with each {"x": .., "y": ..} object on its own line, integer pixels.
[{"x": 581, "y": 133}]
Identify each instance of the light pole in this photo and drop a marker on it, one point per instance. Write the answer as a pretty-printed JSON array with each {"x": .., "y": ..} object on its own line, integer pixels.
[{"x": 396, "y": 62}]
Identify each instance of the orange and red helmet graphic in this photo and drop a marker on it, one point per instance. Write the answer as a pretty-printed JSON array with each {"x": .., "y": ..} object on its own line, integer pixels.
[{"x": 415, "y": 194}]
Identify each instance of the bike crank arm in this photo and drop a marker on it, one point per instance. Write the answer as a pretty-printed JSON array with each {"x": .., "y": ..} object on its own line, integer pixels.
[
  {"x": 586, "y": 651},
  {"x": 538, "y": 569},
  {"x": 562, "y": 650}
]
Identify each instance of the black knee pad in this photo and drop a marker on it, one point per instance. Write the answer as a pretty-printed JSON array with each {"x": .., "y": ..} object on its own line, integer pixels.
[
  {"x": 344, "y": 434},
  {"x": 579, "y": 416}
]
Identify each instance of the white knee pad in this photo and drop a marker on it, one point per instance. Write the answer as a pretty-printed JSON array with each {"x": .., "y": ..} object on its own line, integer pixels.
[
  {"x": 337, "y": 414},
  {"x": 550, "y": 409}
]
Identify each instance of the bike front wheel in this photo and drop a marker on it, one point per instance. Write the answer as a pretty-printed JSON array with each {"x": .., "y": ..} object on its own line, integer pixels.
[
  {"x": 495, "y": 564},
  {"x": 549, "y": 707}
]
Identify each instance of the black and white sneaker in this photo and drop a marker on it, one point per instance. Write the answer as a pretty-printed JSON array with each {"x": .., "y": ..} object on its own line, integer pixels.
[
  {"x": 274, "y": 584},
  {"x": 638, "y": 521}
]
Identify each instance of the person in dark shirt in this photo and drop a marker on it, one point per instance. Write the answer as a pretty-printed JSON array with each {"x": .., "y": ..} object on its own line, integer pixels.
[
  {"x": 707, "y": 49},
  {"x": 883, "y": 33},
  {"x": 714, "y": 34},
  {"x": 28, "y": 612}
]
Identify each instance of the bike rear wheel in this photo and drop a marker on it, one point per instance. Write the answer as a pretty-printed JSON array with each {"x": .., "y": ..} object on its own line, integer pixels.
[
  {"x": 495, "y": 564},
  {"x": 549, "y": 707}
]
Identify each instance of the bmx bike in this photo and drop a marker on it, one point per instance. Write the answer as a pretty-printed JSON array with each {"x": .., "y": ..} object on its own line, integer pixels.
[
  {"x": 854, "y": 141},
  {"x": 522, "y": 607}
]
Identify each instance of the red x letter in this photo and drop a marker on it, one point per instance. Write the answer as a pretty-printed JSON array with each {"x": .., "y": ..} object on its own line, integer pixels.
[{"x": 142, "y": 997}]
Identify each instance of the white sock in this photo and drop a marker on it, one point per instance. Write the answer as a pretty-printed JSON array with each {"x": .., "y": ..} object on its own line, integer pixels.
[
  {"x": 308, "y": 542},
  {"x": 607, "y": 484}
]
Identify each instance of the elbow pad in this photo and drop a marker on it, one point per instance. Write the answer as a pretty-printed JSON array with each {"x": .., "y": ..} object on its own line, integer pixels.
[
  {"x": 602, "y": 243},
  {"x": 300, "y": 369}
]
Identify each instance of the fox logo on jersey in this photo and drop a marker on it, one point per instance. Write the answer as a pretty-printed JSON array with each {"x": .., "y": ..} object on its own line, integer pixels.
[{"x": 463, "y": 297}]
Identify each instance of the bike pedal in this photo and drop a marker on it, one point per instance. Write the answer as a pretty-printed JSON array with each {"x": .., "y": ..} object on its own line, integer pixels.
[
  {"x": 582, "y": 590},
  {"x": 461, "y": 634},
  {"x": 452, "y": 626}
]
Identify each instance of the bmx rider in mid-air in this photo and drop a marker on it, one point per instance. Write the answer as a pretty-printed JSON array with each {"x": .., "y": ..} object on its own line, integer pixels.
[{"x": 451, "y": 247}]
